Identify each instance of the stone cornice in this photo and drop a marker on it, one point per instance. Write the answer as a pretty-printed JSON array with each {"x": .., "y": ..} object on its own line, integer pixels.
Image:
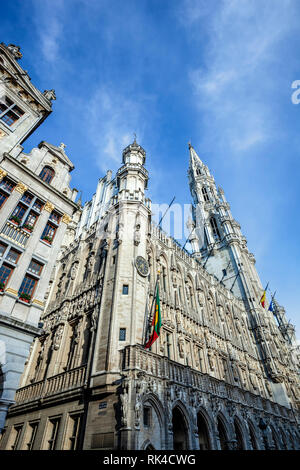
[{"x": 11, "y": 322}]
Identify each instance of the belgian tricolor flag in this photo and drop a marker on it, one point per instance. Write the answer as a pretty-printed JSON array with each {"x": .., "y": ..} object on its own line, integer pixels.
[
  {"x": 156, "y": 322},
  {"x": 263, "y": 297}
]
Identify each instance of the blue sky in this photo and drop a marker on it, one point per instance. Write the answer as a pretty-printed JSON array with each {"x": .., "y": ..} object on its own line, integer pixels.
[{"x": 218, "y": 73}]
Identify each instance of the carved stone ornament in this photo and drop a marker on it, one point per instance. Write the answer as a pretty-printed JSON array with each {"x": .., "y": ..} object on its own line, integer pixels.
[
  {"x": 21, "y": 188},
  {"x": 15, "y": 51},
  {"x": 3, "y": 173},
  {"x": 48, "y": 206},
  {"x": 49, "y": 95}
]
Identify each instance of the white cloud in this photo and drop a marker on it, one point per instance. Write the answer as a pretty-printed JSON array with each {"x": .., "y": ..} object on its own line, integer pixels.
[
  {"x": 244, "y": 40},
  {"x": 49, "y": 17},
  {"x": 112, "y": 119}
]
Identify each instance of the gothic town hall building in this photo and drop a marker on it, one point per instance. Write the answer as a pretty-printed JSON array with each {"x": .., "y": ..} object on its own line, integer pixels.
[{"x": 223, "y": 374}]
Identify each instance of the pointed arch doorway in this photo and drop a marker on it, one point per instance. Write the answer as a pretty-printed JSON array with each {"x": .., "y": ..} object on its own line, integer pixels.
[{"x": 180, "y": 430}]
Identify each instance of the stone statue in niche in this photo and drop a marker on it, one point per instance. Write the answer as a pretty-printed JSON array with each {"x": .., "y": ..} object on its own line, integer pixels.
[
  {"x": 210, "y": 357},
  {"x": 181, "y": 346},
  {"x": 137, "y": 409},
  {"x": 74, "y": 270},
  {"x": 210, "y": 308},
  {"x": 137, "y": 235},
  {"x": 58, "y": 337},
  {"x": 124, "y": 404}
]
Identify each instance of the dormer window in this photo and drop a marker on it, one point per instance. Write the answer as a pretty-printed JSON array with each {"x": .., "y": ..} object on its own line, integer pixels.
[
  {"x": 9, "y": 111},
  {"x": 205, "y": 194},
  {"x": 47, "y": 174}
]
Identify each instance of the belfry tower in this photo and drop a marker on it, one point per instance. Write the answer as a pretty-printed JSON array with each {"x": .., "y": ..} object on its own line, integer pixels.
[
  {"x": 221, "y": 248},
  {"x": 217, "y": 239}
]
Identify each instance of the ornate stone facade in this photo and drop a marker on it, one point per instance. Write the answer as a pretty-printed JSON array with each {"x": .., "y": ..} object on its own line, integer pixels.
[
  {"x": 222, "y": 374},
  {"x": 32, "y": 205}
]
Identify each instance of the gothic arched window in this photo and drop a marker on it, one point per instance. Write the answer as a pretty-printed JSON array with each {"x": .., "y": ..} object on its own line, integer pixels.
[{"x": 47, "y": 174}]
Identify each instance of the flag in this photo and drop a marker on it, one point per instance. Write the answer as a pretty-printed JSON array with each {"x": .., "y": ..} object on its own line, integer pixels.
[
  {"x": 263, "y": 297},
  {"x": 156, "y": 322},
  {"x": 270, "y": 309}
]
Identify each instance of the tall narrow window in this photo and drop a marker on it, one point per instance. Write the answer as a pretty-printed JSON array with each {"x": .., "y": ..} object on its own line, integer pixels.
[
  {"x": 205, "y": 194},
  {"x": 33, "y": 430},
  {"x": 54, "y": 425},
  {"x": 122, "y": 334},
  {"x": 2, "y": 248},
  {"x": 3, "y": 198},
  {"x": 18, "y": 213},
  {"x": 168, "y": 346},
  {"x": 27, "y": 287},
  {"x": 5, "y": 273},
  {"x": 125, "y": 289},
  {"x": 48, "y": 233},
  {"x": 215, "y": 229},
  {"x": 75, "y": 426},
  {"x": 147, "y": 416},
  {"x": 164, "y": 279},
  {"x": 16, "y": 436},
  {"x": 47, "y": 174}
]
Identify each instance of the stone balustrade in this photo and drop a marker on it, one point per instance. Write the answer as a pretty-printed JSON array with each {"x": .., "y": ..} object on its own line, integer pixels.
[
  {"x": 61, "y": 382},
  {"x": 135, "y": 357},
  {"x": 16, "y": 234}
]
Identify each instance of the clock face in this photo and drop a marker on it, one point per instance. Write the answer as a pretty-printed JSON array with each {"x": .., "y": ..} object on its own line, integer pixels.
[{"x": 142, "y": 265}]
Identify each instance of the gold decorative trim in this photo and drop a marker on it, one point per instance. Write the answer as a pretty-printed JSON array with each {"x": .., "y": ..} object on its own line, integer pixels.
[
  {"x": 21, "y": 188},
  {"x": 48, "y": 206},
  {"x": 2, "y": 134},
  {"x": 38, "y": 302},
  {"x": 3, "y": 173},
  {"x": 11, "y": 291},
  {"x": 66, "y": 219}
]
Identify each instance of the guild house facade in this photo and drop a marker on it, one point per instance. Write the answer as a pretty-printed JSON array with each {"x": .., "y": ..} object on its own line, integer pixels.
[{"x": 223, "y": 373}]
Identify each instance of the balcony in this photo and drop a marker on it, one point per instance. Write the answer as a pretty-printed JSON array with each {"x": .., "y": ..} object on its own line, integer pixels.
[
  {"x": 136, "y": 357},
  {"x": 58, "y": 383},
  {"x": 15, "y": 234}
]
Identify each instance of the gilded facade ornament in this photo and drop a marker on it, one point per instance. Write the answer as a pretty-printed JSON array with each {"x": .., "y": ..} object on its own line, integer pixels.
[
  {"x": 21, "y": 188},
  {"x": 48, "y": 206},
  {"x": 11, "y": 291},
  {"x": 66, "y": 219},
  {"x": 3, "y": 173},
  {"x": 2, "y": 134}
]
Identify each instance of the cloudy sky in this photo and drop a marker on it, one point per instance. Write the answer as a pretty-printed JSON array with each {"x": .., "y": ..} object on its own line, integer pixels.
[{"x": 217, "y": 73}]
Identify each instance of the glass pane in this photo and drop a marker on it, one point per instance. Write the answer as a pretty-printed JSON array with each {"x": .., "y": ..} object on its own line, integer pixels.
[
  {"x": 3, "y": 198},
  {"x": 4, "y": 274},
  {"x": 35, "y": 267},
  {"x": 27, "y": 198},
  {"x": 2, "y": 248},
  {"x": 13, "y": 256}
]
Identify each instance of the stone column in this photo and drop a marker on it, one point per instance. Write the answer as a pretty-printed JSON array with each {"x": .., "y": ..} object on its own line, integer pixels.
[{"x": 12, "y": 201}]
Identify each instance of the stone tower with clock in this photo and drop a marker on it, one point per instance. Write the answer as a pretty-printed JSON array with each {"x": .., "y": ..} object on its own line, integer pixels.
[{"x": 216, "y": 378}]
